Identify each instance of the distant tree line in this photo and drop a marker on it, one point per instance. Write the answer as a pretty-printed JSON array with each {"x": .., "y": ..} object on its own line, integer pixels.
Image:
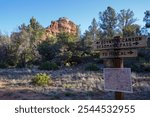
[{"x": 26, "y": 48}]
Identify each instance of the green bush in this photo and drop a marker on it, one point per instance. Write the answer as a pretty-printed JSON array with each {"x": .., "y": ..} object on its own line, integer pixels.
[
  {"x": 91, "y": 67},
  {"x": 146, "y": 67},
  {"x": 136, "y": 67},
  {"x": 140, "y": 67},
  {"x": 41, "y": 79},
  {"x": 3, "y": 65},
  {"x": 48, "y": 66}
]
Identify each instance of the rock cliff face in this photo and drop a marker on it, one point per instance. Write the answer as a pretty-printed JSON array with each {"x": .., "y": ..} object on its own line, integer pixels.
[{"x": 61, "y": 25}]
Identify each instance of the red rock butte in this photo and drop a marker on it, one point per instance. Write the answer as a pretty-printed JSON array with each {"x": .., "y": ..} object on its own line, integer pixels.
[{"x": 63, "y": 24}]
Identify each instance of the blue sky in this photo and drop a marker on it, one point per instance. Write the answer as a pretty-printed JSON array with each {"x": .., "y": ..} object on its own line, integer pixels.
[{"x": 15, "y": 12}]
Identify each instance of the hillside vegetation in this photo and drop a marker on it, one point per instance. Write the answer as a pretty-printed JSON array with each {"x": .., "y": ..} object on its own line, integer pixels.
[{"x": 30, "y": 47}]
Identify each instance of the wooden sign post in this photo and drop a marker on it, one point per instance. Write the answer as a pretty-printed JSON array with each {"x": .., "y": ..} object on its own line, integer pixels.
[
  {"x": 116, "y": 49},
  {"x": 118, "y": 63}
]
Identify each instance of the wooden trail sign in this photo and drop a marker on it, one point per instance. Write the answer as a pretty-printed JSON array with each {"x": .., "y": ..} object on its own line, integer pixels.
[
  {"x": 119, "y": 43},
  {"x": 118, "y": 79},
  {"x": 118, "y": 53}
]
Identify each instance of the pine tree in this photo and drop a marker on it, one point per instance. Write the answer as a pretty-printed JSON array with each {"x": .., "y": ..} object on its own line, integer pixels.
[
  {"x": 92, "y": 33},
  {"x": 126, "y": 23},
  {"x": 108, "y": 22},
  {"x": 94, "y": 30},
  {"x": 147, "y": 19}
]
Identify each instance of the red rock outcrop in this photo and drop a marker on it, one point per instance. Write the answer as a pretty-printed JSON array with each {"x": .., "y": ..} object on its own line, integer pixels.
[{"x": 61, "y": 25}]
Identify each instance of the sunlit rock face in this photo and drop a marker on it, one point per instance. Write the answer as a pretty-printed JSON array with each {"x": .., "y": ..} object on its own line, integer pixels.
[{"x": 61, "y": 25}]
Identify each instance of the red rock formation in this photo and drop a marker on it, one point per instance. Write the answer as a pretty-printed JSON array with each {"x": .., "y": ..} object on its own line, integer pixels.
[{"x": 61, "y": 25}]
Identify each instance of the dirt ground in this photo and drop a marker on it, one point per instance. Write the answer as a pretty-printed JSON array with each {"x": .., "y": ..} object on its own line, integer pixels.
[
  {"x": 68, "y": 89},
  {"x": 26, "y": 93}
]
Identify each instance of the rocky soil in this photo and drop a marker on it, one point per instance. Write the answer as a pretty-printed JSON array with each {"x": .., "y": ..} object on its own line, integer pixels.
[{"x": 68, "y": 83}]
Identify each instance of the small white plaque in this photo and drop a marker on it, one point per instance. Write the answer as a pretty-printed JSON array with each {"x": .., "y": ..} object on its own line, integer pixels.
[{"x": 118, "y": 79}]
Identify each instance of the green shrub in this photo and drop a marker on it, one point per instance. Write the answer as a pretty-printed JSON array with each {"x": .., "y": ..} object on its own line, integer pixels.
[
  {"x": 141, "y": 67},
  {"x": 3, "y": 65},
  {"x": 41, "y": 79},
  {"x": 48, "y": 66},
  {"x": 91, "y": 67},
  {"x": 146, "y": 67},
  {"x": 47, "y": 50},
  {"x": 136, "y": 67}
]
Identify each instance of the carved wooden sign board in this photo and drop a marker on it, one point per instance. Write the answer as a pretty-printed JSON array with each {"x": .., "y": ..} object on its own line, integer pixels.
[
  {"x": 118, "y": 79},
  {"x": 120, "y": 43},
  {"x": 119, "y": 47},
  {"x": 118, "y": 53}
]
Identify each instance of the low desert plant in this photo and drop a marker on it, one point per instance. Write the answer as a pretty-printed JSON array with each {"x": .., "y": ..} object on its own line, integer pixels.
[
  {"x": 42, "y": 79},
  {"x": 3, "y": 65}
]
